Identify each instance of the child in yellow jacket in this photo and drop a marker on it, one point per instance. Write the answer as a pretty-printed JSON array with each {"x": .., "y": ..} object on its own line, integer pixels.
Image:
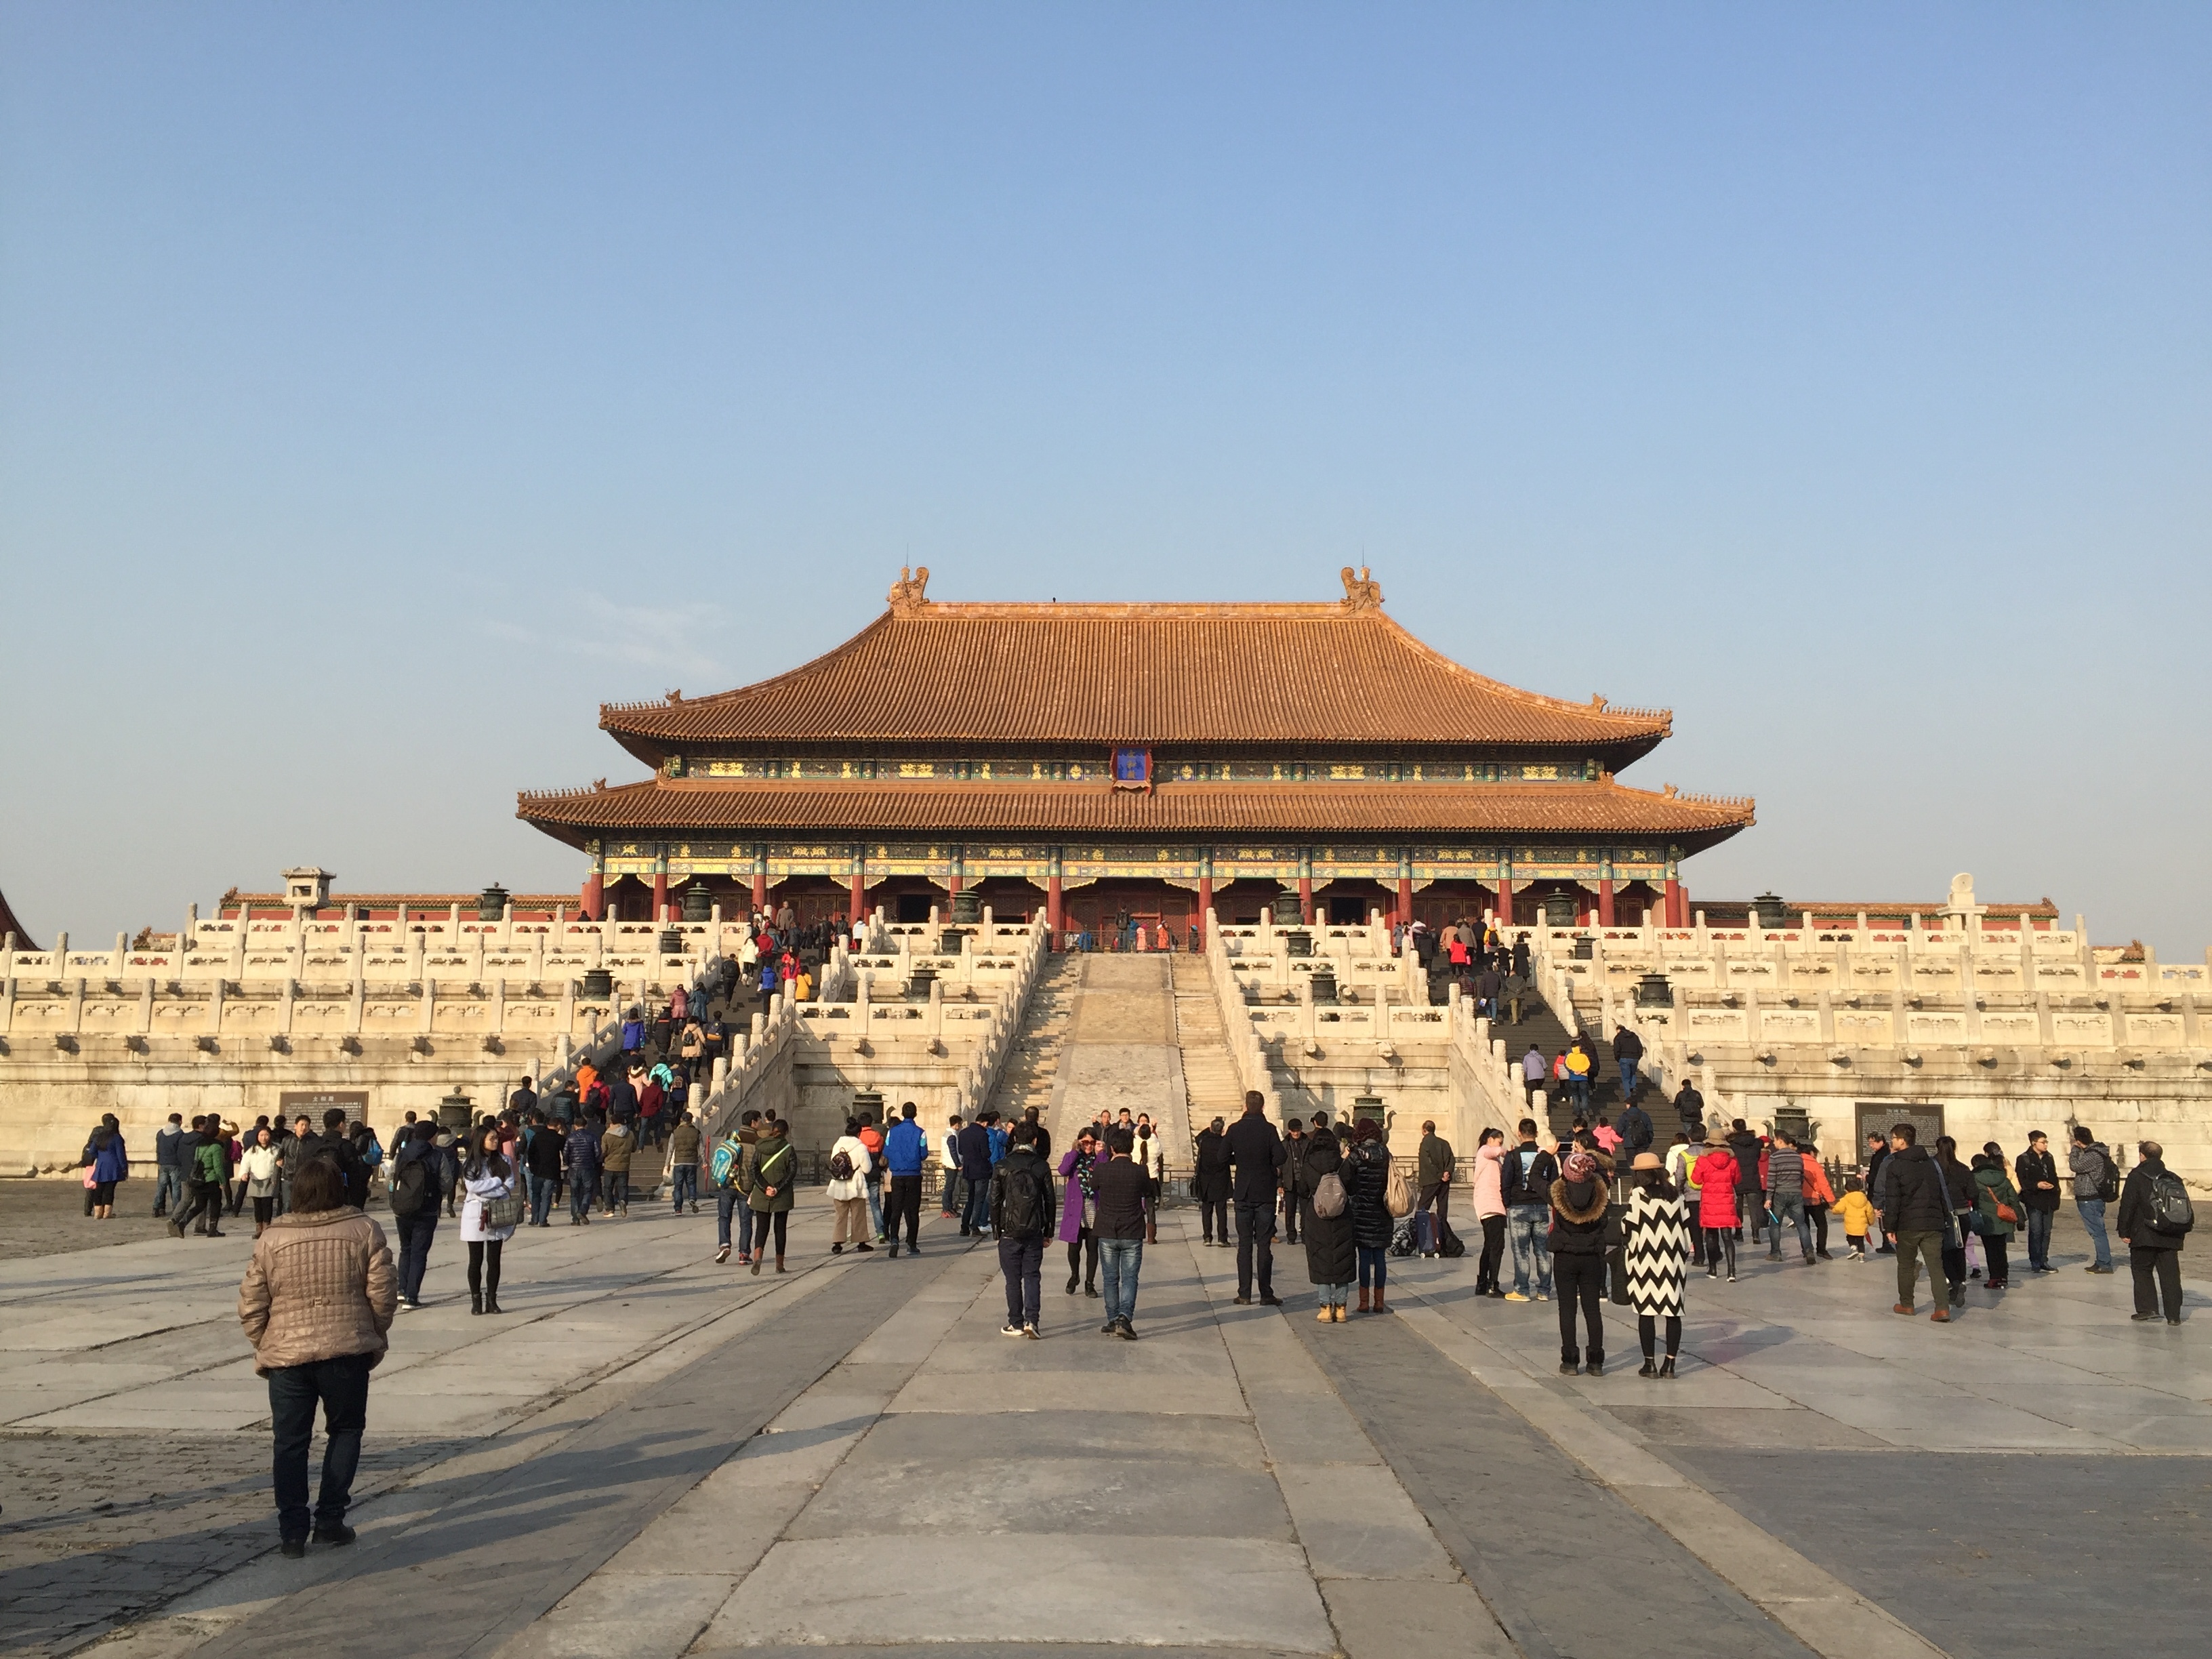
[{"x": 1857, "y": 1212}]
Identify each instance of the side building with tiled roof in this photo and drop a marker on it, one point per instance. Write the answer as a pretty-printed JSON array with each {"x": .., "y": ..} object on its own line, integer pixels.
[{"x": 1147, "y": 761}]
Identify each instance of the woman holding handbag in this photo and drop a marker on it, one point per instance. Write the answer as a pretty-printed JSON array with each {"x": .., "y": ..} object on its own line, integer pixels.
[
  {"x": 489, "y": 1215},
  {"x": 1996, "y": 1213}
]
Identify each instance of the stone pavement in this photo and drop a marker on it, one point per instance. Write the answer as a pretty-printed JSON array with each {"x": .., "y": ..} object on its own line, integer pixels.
[
  {"x": 1121, "y": 1050},
  {"x": 652, "y": 1455}
]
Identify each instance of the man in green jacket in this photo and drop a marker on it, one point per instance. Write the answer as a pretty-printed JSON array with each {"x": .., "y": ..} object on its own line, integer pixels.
[{"x": 684, "y": 1162}]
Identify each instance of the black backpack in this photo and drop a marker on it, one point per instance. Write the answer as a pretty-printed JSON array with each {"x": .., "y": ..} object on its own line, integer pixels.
[
  {"x": 2108, "y": 1177},
  {"x": 841, "y": 1166},
  {"x": 2171, "y": 1211},
  {"x": 412, "y": 1190},
  {"x": 1023, "y": 1213}
]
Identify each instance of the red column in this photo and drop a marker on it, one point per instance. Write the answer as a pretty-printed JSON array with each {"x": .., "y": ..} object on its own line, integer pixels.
[
  {"x": 860, "y": 889},
  {"x": 1682, "y": 897},
  {"x": 1054, "y": 915},
  {"x": 595, "y": 892},
  {"x": 760, "y": 886},
  {"x": 660, "y": 892},
  {"x": 1305, "y": 888},
  {"x": 1506, "y": 902},
  {"x": 1673, "y": 909},
  {"x": 1205, "y": 903},
  {"x": 1605, "y": 902},
  {"x": 1405, "y": 901}
]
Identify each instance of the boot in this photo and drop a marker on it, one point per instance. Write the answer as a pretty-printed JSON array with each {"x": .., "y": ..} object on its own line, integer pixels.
[
  {"x": 779, "y": 1265},
  {"x": 491, "y": 1302},
  {"x": 258, "y": 1226},
  {"x": 1363, "y": 1301},
  {"x": 1379, "y": 1308},
  {"x": 1667, "y": 1366},
  {"x": 476, "y": 1302}
]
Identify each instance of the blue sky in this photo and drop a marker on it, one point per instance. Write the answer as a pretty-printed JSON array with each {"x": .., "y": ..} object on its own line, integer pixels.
[{"x": 381, "y": 388}]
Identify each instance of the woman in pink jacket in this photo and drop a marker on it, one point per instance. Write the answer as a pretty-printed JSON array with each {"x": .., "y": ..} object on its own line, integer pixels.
[
  {"x": 1490, "y": 1210},
  {"x": 1716, "y": 1175}
]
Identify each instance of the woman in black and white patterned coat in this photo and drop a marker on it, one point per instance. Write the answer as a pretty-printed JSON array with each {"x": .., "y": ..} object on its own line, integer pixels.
[{"x": 1658, "y": 1253}]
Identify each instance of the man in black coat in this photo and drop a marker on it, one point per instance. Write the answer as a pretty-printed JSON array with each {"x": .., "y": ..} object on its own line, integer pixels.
[
  {"x": 2036, "y": 1176},
  {"x": 1916, "y": 1206},
  {"x": 2153, "y": 1248},
  {"x": 1750, "y": 1197},
  {"x": 1255, "y": 1156},
  {"x": 1296, "y": 1182},
  {"x": 1209, "y": 1182}
]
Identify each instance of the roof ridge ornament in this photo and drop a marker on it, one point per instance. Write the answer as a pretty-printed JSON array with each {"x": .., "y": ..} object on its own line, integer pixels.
[
  {"x": 1361, "y": 592},
  {"x": 907, "y": 594}
]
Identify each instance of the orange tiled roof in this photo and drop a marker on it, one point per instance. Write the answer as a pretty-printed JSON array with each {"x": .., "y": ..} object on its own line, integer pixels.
[
  {"x": 1174, "y": 809},
  {"x": 1202, "y": 675}
]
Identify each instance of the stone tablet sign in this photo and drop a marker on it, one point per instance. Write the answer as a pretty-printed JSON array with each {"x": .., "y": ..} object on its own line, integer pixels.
[
  {"x": 314, "y": 1103},
  {"x": 1874, "y": 1116}
]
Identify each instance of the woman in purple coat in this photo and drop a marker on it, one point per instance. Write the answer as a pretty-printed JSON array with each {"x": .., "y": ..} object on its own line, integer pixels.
[{"x": 1077, "y": 1211}]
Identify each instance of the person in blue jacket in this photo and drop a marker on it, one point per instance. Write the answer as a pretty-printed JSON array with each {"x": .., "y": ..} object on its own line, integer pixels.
[{"x": 905, "y": 1147}]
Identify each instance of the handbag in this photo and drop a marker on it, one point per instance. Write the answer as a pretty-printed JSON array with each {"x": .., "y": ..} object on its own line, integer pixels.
[
  {"x": 496, "y": 1214},
  {"x": 1398, "y": 1193}
]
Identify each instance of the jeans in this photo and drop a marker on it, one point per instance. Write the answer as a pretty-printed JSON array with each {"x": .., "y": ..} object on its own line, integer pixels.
[
  {"x": 617, "y": 1193},
  {"x": 2092, "y": 1219},
  {"x": 580, "y": 1183},
  {"x": 168, "y": 1188},
  {"x": 683, "y": 1178},
  {"x": 1022, "y": 1261},
  {"x": 1530, "y": 1226},
  {"x": 976, "y": 1218},
  {"x": 1790, "y": 1212},
  {"x": 1374, "y": 1259},
  {"x": 1913, "y": 1249},
  {"x": 541, "y": 1197},
  {"x": 950, "y": 1198},
  {"x": 2039, "y": 1238},
  {"x": 1494, "y": 1254},
  {"x": 1255, "y": 1238},
  {"x": 905, "y": 1206},
  {"x": 416, "y": 1232},
  {"x": 1118, "y": 1262},
  {"x": 1581, "y": 1280},
  {"x": 728, "y": 1200},
  {"x": 875, "y": 1208},
  {"x": 1627, "y": 1081},
  {"x": 342, "y": 1387},
  {"x": 2158, "y": 1279}
]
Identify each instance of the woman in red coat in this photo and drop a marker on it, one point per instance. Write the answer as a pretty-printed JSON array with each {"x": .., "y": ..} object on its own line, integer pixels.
[{"x": 1716, "y": 1175}]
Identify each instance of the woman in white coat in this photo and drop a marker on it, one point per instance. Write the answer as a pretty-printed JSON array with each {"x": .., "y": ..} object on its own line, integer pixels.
[
  {"x": 258, "y": 1169},
  {"x": 848, "y": 1191},
  {"x": 489, "y": 1212}
]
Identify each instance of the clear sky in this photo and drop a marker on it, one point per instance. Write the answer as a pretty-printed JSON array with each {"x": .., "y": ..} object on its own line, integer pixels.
[{"x": 382, "y": 387}]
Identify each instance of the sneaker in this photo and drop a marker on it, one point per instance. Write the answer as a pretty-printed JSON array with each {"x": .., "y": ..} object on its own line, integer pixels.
[
  {"x": 294, "y": 1547},
  {"x": 1543, "y": 1296},
  {"x": 836, "y": 1249},
  {"x": 405, "y": 1306},
  {"x": 1125, "y": 1331},
  {"x": 1515, "y": 1295},
  {"x": 722, "y": 1254},
  {"x": 2142, "y": 1319},
  {"x": 1731, "y": 1279},
  {"x": 1009, "y": 1329},
  {"x": 894, "y": 1255},
  {"x": 1030, "y": 1332},
  {"x": 865, "y": 1246},
  {"x": 333, "y": 1532}
]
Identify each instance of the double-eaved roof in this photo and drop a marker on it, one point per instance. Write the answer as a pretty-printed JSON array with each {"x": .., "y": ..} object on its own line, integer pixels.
[{"x": 1316, "y": 682}]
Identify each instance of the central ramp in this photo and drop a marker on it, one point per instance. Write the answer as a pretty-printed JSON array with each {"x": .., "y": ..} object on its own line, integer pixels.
[{"x": 1120, "y": 1051}]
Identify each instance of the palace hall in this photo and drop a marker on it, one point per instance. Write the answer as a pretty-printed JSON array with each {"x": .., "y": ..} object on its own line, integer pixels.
[{"x": 1136, "y": 762}]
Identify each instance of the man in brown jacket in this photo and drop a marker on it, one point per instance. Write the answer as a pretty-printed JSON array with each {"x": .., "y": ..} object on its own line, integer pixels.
[{"x": 319, "y": 1296}]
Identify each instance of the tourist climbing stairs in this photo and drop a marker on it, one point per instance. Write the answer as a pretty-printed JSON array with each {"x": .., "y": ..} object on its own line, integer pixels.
[
  {"x": 1541, "y": 1025},
  {"x": 1211, "y": 1088}
]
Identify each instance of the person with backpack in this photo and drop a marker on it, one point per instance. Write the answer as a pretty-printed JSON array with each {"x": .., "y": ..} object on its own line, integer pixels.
[
  {"x": 1325, "y": 1217},
  {"x": 1294, "y": 1177},
  {"x": 1435, "y": 1165},
  {"x": 775, "y": 1166},
  {"x": 872, "y": 1138},
  {"x": 1628, "y": 1053},
  {"x": 1637, "y": 1132},
  {"x": 616, "y": 1147},
  {"x": 2155, "y": 1217},
  {"x": 417, "y": 1187},
  {"x": 2096, "y": 1184},
  {"x": 848, "y": 1190},
  {"x": 727, "y": 1169},
  {"x": 1528, "y": 1171},
  {"x": 906, "y": 1147},
  {"x": 1533, "y": 1070},
  {"x": 369, "y": 1154},
  {"x": 205, "y": 1177},
  {"x": 1021, "y": 1211}
]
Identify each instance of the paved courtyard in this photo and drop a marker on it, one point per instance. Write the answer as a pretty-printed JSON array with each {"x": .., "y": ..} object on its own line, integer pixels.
[{"x": 650, "y": 1454}]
